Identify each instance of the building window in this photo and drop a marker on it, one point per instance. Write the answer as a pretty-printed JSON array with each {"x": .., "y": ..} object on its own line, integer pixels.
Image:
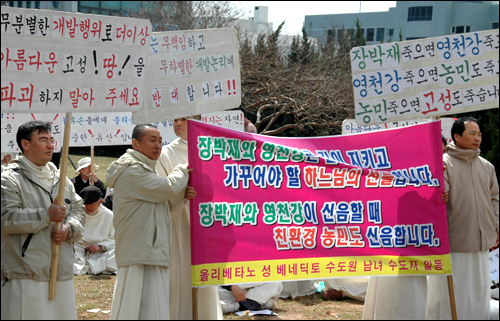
[
  {"x": 380, "y": 34},
  {"x": 370, "y": 33},
  {"x": 331, "y": 34},
  {"x": 340, "y": 35},
  {"x": 391, "y": 32},
  {"x": 37, "y": 4},
  {"x": 112, "y": 8},
  {"x": 350, "y": 32},
  {"x": 494, "y": 25},
  {"x": 460, "y": 29},
  {"x": 419, "y": 13}
]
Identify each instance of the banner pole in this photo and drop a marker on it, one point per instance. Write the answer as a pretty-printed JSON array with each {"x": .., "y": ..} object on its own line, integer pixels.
[
  {"x": 451, "y": 292},
  {"x": 60, "y": 201},
  {"x": 91, "y": 162},
  {"x": 195, "y": 303},
  {"x": 72, "y": 163}
]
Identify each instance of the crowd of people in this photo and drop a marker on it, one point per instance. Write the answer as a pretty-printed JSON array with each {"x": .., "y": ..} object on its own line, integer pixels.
[{"x": 139, "y": 229}]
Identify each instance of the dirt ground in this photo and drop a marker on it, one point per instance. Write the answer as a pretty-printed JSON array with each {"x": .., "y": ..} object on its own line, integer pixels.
[{"x": 96, "y": 292}]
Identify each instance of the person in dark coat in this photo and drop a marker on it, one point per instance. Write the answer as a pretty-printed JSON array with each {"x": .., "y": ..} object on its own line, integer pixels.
[{"x": 85, "y": 176}]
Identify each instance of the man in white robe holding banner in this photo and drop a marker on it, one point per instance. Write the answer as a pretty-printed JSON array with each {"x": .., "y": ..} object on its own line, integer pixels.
[
  {"x": 143, "y": 228},
  {"x": 180, "y": 268},
  {"x": 30, "y": 185},
  {"x": 472, "y": 226},
  {"x": 388, "y": 297}
]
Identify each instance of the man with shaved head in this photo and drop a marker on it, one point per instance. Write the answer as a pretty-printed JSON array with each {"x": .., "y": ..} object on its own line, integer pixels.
[
  {"x": 472, "y": 212},
  {"x": 142, "y": 227}
]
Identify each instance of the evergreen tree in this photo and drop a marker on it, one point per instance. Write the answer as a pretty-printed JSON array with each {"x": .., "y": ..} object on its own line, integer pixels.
[
  {"x": 305, "y": 52},
  {"x": 246, "y": 48},
  {"x": 260, "y": 47},
  {"x": 488, "y": 123},
  {"x": 294, "y": 55},
  {"x": 491, "y": 127},
  {"x": 359, "y": 37},
  {"x": 272, "y": 43}
]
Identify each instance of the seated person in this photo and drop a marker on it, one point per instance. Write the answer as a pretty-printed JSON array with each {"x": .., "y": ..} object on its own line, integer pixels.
[
  {"x": 298, "y": 288},
  {"x": 339, "y": 288},
  {"x": 255, "y": 296},
  {"x": 95, "y": 252},
  {"x": 82, "y": 180},
  {"x": 108, "y": 199}
]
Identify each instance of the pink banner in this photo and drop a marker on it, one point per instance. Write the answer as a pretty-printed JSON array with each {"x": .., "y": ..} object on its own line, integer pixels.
[{"x": 275, "y": 209}]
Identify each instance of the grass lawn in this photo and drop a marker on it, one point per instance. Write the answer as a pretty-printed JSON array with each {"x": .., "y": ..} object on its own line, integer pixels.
[
  {"x": 94, "y": 292},
  {"x": 102, "y": 161}
]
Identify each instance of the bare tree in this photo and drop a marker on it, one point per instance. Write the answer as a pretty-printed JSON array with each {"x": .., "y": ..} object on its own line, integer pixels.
[
  {"x": 189, "y": 15},
  {"x": 294, "y": 86},
  {"x": 300, "y": 88}
]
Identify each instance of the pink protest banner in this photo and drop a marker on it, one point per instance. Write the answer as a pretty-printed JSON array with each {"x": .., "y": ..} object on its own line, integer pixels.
[{"x": 279, "y": 209}]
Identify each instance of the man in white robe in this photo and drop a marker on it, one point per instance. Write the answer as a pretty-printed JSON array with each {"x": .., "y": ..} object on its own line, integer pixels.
[
  {"x": 255, "y": 296},
  {"x": 180, "y": 268},
  {"x": 141, "y": 218},
  {"x": 354, "y": 288},
  {"x": 297, "y": 288},
  {"x": 397, "y": 297},
  {"x": 95, "y": 252},
  {"x": 472, "y": 226},
  {"x": 30, "y": 186}
]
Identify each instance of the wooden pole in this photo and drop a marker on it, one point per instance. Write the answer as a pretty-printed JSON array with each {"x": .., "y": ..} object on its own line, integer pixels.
[
  {"x": 195, "y": 303},
  {"x": 60, "y": 201},
  {"x": 91, "y": 162},
  {"x": 451, "y": 292}
]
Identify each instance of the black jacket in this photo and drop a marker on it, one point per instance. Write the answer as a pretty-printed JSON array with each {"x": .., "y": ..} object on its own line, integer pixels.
[{"x": 80, "y": 184}]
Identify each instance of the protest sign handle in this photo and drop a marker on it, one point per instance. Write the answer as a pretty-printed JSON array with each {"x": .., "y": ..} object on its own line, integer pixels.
[
  {"x": 60, "y": 201},
  {"x": 451, "y": 291},
  {"x": 72, "y": 163},
  {"x": 91, "y": 162},
  {"x": 195, "y": 303}
]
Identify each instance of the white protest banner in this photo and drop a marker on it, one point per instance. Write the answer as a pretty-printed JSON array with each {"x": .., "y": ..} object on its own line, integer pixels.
[
  {"x": 191, "y": 72},
  {"x": 101, "y": 129},
  {"x": 58, "y": 62},
  {"x": 494, "y": 265},
  {"x": 166, "y": 128},
  {"x": 349, "y": 126},
  {"x": 107, "y": 129},
  {"x": 232, "y": 119},
  {"x": 426, "y": 77},
  {"x": 12, "y": 121}
]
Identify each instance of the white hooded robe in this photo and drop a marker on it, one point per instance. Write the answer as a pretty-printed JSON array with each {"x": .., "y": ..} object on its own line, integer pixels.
[{"x": 209, "y": 307}]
